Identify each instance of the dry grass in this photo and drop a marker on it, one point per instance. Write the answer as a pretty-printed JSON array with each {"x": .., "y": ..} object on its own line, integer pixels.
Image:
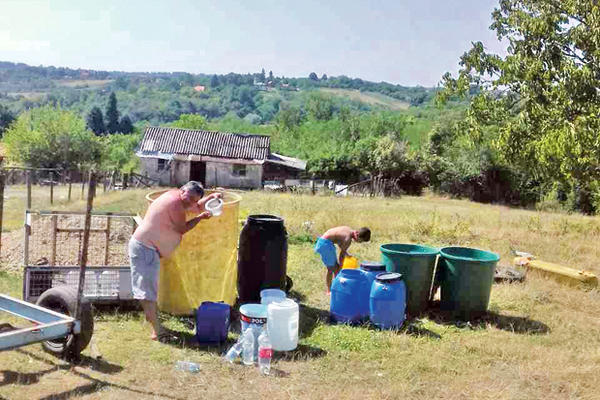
[
  {"x": 376, "y": 99},
  {"x": 541, "y": 339},
  {"x": 79, "y": 83}
]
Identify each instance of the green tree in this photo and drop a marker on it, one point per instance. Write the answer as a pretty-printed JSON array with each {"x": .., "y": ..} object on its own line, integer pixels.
[
  {"x": 191, "y": 121},
  {"x": 125, "y": 126},
  {"x": 49, "y": 137},
  {"x": 543, "y": 98},
  {"x": 261, "y": 76},
  {"x": 324, "y": 77},
  {"x": 112, "y": 114},
  {"x": 313, "y": 77},
  {"x": 319, "y": 106},
  {"x": 95, "y": 121},
  {"x": 288, "y": 118},
  {"x": 6, "y": 118},
  {"x": 214, "y": 81},
  {"x": 271, "y": 77},
  {"x": 118, "y": 152}
]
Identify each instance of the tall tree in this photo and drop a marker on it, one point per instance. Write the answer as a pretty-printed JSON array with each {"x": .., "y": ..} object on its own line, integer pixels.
[
  {"x": 271, "y": 77},
  {"x": 324, "y": 77},
  {"x": 112, "y": 114},
  {"x": 541, "y": 100},
  {"x": 6, "y": 118},
  {"x": 261, "y": 77},
  {"x": 95, "y": 121},
  {"x": 214, "y": 81},
  {"x": 125, "y": 126},
  {"x": 313, "y": 77}
]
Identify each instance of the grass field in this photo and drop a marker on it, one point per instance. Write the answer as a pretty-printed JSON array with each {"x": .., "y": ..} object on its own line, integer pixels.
[
  {"x": 80, "y": 83},
  {"x": 541, "y": 339},
  {"x": 372, "y": 98}
]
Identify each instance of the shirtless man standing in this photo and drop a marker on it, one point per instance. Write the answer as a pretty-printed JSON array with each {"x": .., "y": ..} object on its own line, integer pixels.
[
  {"x": 158, "y": 236},
  {"x": 343, "y": 237}
]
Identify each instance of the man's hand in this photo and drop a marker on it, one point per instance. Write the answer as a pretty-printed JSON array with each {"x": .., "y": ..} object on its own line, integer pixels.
[
  {"x": 211, "y": 196},
  {"x": 205, "y": 215}
]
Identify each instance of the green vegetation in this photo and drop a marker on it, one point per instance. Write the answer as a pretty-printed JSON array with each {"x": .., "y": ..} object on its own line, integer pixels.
[
  {"x": 540, "y": 340},
  {"x": 536, "y": 113}
]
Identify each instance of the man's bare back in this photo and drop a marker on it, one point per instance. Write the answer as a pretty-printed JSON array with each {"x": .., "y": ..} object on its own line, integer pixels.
[
  {"x": 164, "y": 223},
  {"x": 340, "y": 235}
]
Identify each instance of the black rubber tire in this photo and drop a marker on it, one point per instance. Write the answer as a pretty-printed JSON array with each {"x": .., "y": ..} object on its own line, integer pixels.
[{"x": 63, "y": 299}]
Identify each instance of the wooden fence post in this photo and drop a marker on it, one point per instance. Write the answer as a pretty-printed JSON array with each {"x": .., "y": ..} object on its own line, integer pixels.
[
  {"x": 2, "y": 182},
  {"x": 106, "y": 247},
  {"x": 28, "y": 183},
  {"x": 70, "y": 184},
  {"x": 85, "y": 242},
  {"x": 51, "y": 187},
  {"x": 53, "y": 239},
  {"x": 82, "y": 185}
]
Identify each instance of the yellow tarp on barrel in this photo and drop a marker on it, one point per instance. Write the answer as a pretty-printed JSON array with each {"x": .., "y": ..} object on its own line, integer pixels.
[{"x": 204, "y": 266}]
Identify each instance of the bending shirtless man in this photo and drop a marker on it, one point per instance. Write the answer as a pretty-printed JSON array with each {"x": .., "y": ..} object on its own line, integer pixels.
[
  {"x": 158, "y": 236},
  {"x": 343, "y": 236}
]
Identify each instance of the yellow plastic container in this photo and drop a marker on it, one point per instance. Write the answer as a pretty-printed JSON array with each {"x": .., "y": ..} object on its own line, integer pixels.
[
  {"x": 569, "y": 276},
  {"x": 350, "y": 263},
  {"x": 204, "y": 266}
]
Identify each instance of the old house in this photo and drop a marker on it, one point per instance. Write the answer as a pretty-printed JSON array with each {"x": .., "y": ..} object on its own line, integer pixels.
[{"x": 175, "y": 156}]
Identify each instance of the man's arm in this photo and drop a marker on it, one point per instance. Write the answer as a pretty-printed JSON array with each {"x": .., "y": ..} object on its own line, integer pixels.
[
  {"x": 343, "y": 251},
  {"x": 189, "y": 225}
]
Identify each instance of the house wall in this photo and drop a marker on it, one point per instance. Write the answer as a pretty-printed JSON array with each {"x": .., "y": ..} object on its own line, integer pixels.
[
  {"x": 149, "y": 167},
  {"x": 221, "y": 174},
  {"x": 180, "y": 173},
  {"x": 177, "y": 173}
]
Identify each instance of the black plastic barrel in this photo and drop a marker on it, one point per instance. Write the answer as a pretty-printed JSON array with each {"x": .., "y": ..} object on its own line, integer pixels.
[{"x": 262, "y": 257}]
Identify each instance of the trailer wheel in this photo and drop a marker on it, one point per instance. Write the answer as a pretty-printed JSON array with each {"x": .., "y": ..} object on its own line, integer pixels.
[{"x": 63, "y": 299}]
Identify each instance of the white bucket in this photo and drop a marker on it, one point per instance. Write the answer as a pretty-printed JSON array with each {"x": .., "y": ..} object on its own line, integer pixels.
[
  {"x": 214, "y": 206},
  {"x": 283, "y": 318}
]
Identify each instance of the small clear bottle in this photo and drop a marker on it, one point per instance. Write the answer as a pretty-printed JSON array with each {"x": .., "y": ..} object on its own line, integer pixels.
[
  {"x": 248, "y": 347},
  {"x": 265, "y": 353},
  {"x": 187, "y": 366},
  {"x": 234, "y": 351}
]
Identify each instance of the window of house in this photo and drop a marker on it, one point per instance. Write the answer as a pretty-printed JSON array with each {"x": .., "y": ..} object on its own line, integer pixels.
[
  {"x": 161, "y": 164},
  {"x": 239, "y": 169}
]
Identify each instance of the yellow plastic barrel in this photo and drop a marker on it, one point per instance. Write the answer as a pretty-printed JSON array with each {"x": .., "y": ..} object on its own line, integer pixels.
[{"x": 204, "y": 266}]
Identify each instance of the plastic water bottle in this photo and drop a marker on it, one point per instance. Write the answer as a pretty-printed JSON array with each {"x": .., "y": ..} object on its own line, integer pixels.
[
  {"x": 265, "y": 353},
  {"x": 187, "y": 366},
  {"x": 248, "y": 347},
  {"x": 234, "y": 351}
]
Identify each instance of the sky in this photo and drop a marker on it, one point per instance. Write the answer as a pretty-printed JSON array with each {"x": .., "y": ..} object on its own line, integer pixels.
[{"x": 408, "y": 42}]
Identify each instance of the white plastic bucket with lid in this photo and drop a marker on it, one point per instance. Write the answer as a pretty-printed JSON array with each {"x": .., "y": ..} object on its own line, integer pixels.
[
  {"x": 214, "y": 206},
  {"x": 283, "y": 318},
  {"x": 267, "y": 296}
]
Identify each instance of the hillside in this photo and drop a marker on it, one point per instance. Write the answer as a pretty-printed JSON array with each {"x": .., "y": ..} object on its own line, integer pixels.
[
  {"x": 161, "y": 97},
  {"x": 371, "y": 98}
]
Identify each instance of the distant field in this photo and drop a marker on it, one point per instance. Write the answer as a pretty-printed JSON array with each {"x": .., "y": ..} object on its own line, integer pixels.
[
  {"x": 372, "y": 98},
  {"x": 27, "y": 95},
  {"x": 84, "y": 82}
]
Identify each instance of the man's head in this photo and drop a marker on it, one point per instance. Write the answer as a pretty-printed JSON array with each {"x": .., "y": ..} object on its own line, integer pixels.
[{"x": 191, "y": 192}]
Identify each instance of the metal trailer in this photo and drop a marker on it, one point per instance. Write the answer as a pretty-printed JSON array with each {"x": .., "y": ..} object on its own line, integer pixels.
[{"x": 62, "y": 317}]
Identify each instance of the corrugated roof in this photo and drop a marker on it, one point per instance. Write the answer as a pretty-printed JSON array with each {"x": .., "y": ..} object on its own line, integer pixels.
[
  {"x": 291, "y": 162},
  {"x": 205, "y": 143}
]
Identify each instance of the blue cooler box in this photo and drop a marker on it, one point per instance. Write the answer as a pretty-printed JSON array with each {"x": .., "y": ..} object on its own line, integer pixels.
[{"x": 212, "y": 322}]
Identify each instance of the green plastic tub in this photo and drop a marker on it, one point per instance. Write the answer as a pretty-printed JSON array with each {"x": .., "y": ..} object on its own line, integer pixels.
[
  {"x": 416, "y": 264},
  {"x": 466, "y": 276}
]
